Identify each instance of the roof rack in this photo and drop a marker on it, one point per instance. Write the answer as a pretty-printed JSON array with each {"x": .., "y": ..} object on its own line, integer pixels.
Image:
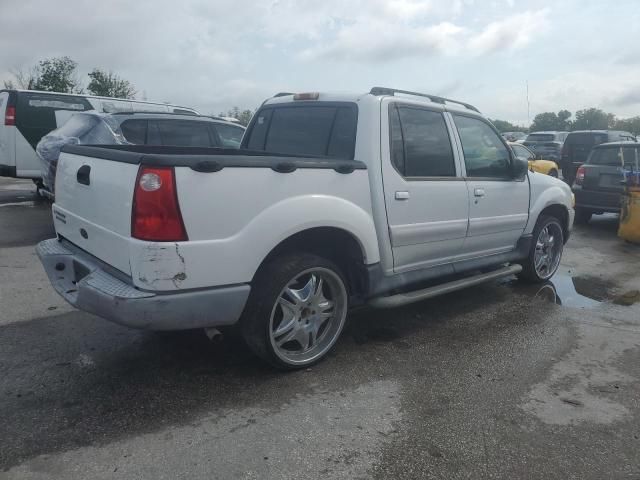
[
  {"x": 147, "y": 112},
  {"x": 434, "y": 98},
  {"x": 282, "y": 94}
]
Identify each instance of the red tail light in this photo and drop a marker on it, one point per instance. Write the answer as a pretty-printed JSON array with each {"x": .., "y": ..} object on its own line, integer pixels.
[
  {"x": 580, "y": 176},
  {"x": 156, "y": 213},
  {"x": 10, "y": 115}
]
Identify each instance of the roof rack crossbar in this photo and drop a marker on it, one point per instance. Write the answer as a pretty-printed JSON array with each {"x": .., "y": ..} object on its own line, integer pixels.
[
  {"x": 434, "y": 98},
  {"x": 151, "y": 112}
]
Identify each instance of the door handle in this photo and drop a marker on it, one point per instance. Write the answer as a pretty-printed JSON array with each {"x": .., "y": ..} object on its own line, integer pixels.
[
  {"x": 402, "y": 195},
  {"x": 478, "y": 192},
  {"x": 83, "y": 175}
]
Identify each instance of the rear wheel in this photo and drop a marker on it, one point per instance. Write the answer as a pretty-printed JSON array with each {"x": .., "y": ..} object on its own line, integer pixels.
[
  {"x": 583, "y": 215},
  {"x": 546, "y": 251},
  {"x": 296, "y": 310},
  {"x": 553, "y": 172}
]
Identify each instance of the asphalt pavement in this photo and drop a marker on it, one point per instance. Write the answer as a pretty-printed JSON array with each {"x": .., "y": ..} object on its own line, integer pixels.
[{"x": 500, "y": 381}]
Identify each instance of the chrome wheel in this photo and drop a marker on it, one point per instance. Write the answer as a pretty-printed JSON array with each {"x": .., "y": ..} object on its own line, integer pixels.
[
  {"x": 548, "y": 251},
  {"x": 308, "y": 316}
]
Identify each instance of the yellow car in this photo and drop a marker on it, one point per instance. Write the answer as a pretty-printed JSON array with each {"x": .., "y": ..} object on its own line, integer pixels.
[{"x": 548, "y": 167}]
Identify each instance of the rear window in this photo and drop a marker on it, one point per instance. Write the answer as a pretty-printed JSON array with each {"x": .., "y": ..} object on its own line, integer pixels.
[
  {"x": 606, "y": 156},
  {"x": 183, "y": 133},
  {"x": 230, "y": 136},
  {"x": 541, "y": 137},
  {"x": 135, "y": 131},
  {"x": 587, "y": 138},
  {"x": 38, "y": 110},
  {"x": 326, "y": 130}
]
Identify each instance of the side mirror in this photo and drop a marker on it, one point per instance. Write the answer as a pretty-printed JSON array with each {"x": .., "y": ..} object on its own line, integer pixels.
[{"x": 519, "y": 168}]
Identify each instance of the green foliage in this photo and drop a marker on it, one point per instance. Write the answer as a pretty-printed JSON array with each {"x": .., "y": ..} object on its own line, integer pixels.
[
  {"x": 56, "y": 75},
  {"x": 628, "y": 124},
  {"x": 243, "y": 116},
  {"x": 504, "y": 126},
  {"x": 108, "y": 84},
  {"x": 593, "y": 119},
  {"x": 551, "y": 121}
]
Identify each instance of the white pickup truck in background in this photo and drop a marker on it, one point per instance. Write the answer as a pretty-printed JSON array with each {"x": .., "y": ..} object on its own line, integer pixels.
[{"x": 384, "y": 198}]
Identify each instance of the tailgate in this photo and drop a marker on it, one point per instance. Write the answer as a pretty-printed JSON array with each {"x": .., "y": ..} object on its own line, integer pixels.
[
  {"x": 603, "y": 177},
  {"x": 93, "y": 206}
]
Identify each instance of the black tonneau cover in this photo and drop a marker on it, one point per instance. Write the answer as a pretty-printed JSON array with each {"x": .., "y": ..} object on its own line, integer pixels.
[{"x": 209, "y": 159}]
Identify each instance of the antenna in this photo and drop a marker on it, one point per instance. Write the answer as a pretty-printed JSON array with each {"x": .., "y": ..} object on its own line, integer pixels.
[{"x": 528, "y": 106}]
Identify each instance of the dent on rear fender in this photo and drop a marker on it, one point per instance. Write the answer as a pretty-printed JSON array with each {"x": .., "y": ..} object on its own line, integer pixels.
[{"x": 160, "y": 263}]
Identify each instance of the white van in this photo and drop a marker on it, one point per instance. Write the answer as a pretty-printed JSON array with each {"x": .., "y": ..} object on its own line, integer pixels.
[{"x": 29, "y": 115}]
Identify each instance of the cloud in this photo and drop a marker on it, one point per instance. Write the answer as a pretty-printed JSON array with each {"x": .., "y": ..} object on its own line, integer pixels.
[
  {"x": 376, "y": 41},
  {"x": 512, "y": 32}
]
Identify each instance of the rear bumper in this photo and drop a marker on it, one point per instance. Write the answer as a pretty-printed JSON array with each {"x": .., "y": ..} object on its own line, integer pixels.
[
  {"x": 597, "y": 201},
  {"x": 87, "y": 285}
]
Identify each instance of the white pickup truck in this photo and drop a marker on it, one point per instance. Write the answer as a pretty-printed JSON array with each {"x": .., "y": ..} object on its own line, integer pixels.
[{"x": 384, "y": 198}]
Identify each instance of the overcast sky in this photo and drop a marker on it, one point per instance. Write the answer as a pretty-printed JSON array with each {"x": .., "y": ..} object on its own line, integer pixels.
[{"x": 214, "y": 54}]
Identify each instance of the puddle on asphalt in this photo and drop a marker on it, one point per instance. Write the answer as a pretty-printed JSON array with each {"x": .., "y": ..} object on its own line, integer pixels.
[{"x": 576, "y": 291}]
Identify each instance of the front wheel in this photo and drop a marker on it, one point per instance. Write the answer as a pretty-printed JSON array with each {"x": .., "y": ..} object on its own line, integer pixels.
[
  {"x": 553, "y": 172},
  {"x": 296, "y": 310},
  {"x": 546, "y": 251}
]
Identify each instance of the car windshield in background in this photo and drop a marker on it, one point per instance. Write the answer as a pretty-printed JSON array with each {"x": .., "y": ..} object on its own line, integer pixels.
[
  {"x": 313, "y": 130},
  {"x": 541, "y": 137}
]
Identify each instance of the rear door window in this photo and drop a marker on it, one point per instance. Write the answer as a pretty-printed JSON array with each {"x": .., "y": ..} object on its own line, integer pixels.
[
  {"x": 183, "y": 133},
  {"x": 230, "y": 136},
  {"x": 135, "y": 131},
  {"x": 320, "y": 130},
  {"x": 420, "y": 143},
  {"x": 606, "y": 156}
]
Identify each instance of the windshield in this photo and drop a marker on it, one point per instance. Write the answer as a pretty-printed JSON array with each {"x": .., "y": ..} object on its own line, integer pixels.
[{"x": 614, "y": 156}]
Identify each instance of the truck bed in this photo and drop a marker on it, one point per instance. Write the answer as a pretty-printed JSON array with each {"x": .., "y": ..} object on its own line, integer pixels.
[{"x": 228, "y": 200}]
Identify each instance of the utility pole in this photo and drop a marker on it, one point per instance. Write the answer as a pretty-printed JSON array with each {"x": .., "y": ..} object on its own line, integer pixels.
[{"x": 528, "y": 106}]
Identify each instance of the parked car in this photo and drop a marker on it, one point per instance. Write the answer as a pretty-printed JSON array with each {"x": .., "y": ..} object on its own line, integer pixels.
[
  {"x": 333, "y": 201},
  {"x": 577, "y": 147},
  {"x": 536, "y": 164},
  {"x": 514, "y": 136},
  {"x": 546, "y": 144},
  {"x": 179, "y": 130},
  {"x": 29, "y": 115},
  {"x": 138, "y": 128},
  {"x": 598, "y": 184}
]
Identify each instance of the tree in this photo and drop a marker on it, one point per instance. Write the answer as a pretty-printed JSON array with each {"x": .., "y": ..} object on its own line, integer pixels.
[
  {"x": 505, "y": 126},
  {"x": 563, "y": 120},
  {"x": 56, "y": 75},
  {"x": 628, "y": 124},
  {"x": 243, "y": 116},
  {"x": 551, "y": 121},
  {"x": 593, "y": 119},
  {"x": 108, "y": 84},
  {"x": 21, "y": 79}
]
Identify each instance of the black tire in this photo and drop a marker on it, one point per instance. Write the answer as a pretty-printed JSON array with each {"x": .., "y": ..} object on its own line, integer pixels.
[
  {"x": 583, "y": 215},
  {"x": 268, "y": 288},
  {"x": 529, "y": 272},
  {"x": 553, "y": 173}
]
